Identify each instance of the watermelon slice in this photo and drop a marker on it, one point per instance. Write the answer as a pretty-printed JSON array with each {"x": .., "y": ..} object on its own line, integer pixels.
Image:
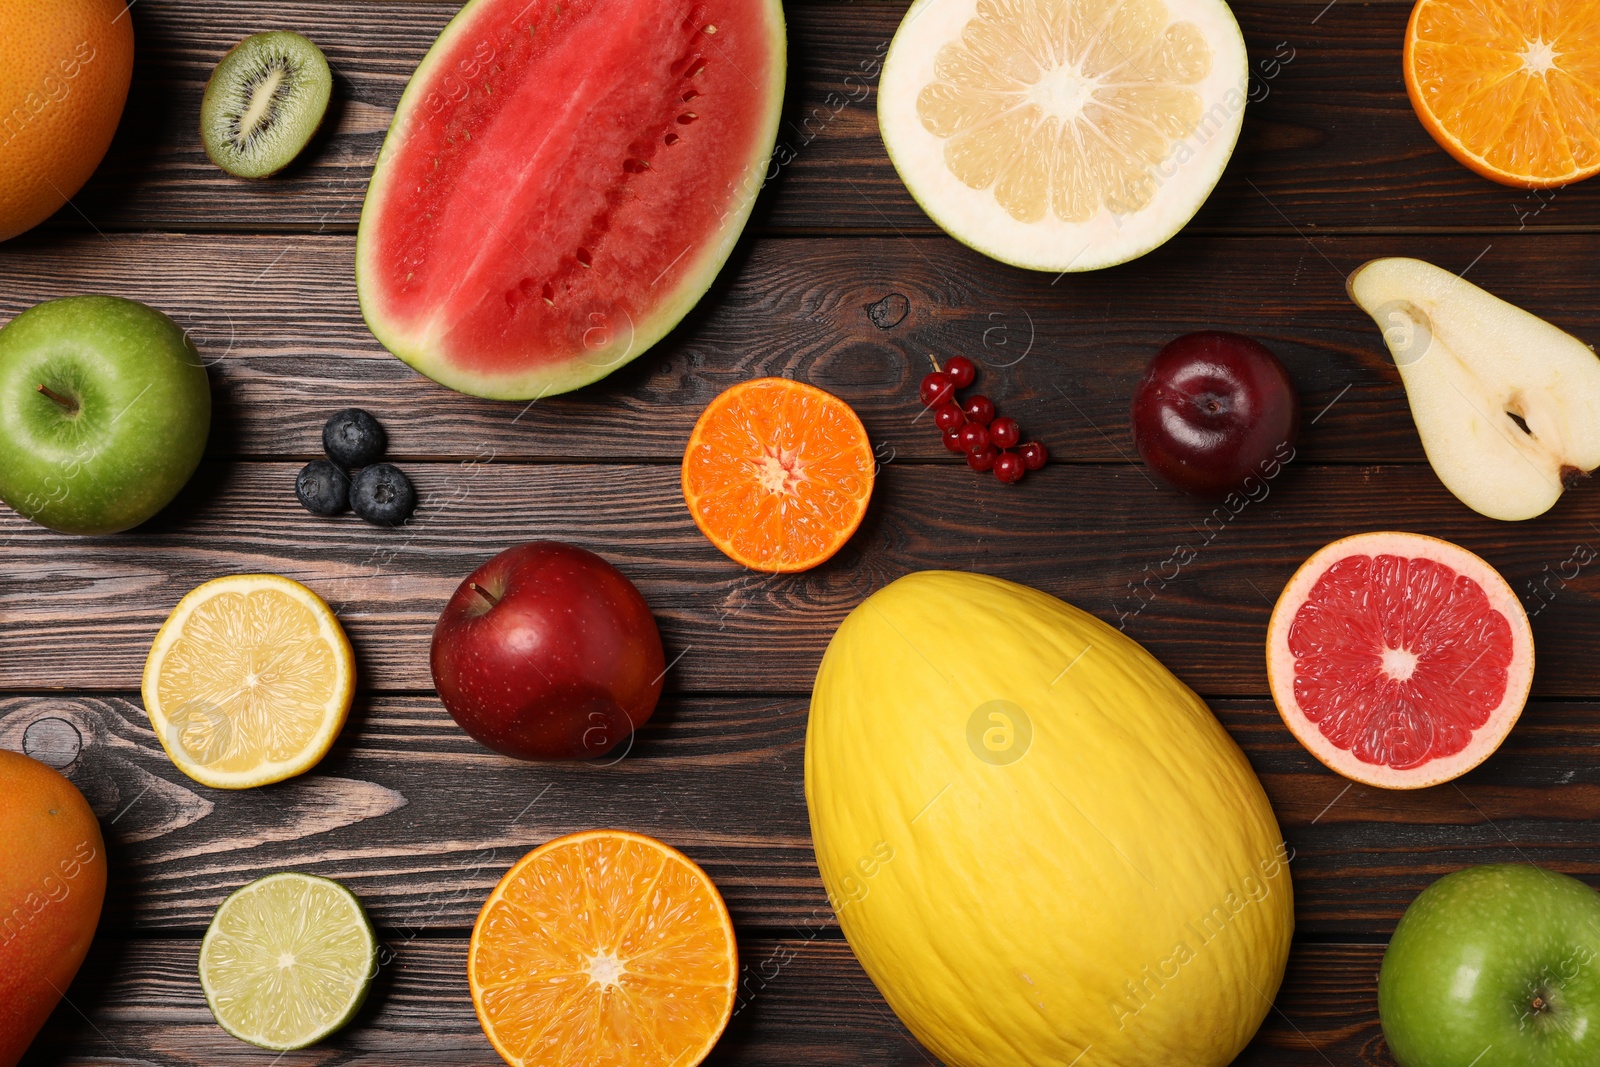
[
  {"x": 562, "y": 182},
  {"x": 1399, "y": 660}
]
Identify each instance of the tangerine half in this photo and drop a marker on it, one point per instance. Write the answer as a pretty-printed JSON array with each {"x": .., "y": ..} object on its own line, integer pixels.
[
  {"x": 1511, "y": 88},
  {"x": 778, "y": 474},
  {"x": 604, "y": 949}
]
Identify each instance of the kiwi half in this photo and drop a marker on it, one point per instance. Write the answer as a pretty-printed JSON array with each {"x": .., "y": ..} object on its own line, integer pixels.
[{"x": 264, "y": 103}]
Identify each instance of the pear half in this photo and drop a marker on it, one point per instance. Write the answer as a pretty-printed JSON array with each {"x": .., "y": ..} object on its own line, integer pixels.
[{"x": 1507, "y": 405}]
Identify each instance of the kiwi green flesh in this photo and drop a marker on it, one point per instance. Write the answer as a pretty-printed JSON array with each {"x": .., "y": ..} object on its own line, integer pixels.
[{"x": 264, "y": 103}]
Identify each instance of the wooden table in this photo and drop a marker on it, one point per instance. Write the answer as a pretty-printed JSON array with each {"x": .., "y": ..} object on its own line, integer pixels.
[{"x": 420, "y": 821}]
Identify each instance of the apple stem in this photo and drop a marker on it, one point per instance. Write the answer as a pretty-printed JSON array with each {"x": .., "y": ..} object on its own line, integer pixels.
[
  {"x": 481, "y": 591},
  {"x": 70, "y": 405}
]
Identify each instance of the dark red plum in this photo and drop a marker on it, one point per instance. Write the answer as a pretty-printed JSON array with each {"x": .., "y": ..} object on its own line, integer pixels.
[{"x": 1212, "y": 409}]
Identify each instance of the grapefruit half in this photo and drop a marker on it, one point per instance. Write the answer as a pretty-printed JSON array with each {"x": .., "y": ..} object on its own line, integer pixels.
[{"x": 1399, "y": 660}]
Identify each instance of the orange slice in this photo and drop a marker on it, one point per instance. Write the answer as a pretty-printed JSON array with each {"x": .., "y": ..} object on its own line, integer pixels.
[
  {"x": 604, "y": 949},
  {"x": 1511, "y": 88},
  {"x": 778, "y": 474}
]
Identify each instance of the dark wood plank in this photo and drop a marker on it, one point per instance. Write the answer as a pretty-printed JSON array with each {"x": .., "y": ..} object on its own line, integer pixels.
[
  {"x": 278, "y": 321},
  {"x": 1330, "y": 140},
  {"x": 806, "y": 1001},
  {"x": 80, "y": 613},
  {"x": 421, "y": 821}
]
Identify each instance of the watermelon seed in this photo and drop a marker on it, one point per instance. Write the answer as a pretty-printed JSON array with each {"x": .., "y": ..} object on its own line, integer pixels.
[
  {"x": 688, "y": 96},
  {"x": 672, "y": 138},
  {"x": 711, "y": 29},
  {"x": 583, "y": 258},
  {"x": 549, "y": 294},
  {"x": 635, "y": 166},
  {"x": 697, "y": 71},
  {"x": 686, "y": 118}
]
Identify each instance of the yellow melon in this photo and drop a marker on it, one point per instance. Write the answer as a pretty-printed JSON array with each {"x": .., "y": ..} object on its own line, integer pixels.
[{"x": 1040, "y": 844}]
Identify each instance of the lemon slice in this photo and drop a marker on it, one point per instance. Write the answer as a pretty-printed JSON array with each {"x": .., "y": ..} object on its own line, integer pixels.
[
  {"x": 1063, "y": 134},
  {"x": 287, "y": 960},
  {"x": 249, "y": 681}
]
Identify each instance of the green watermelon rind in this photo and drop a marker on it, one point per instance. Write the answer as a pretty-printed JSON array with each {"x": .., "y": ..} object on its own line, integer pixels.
[{"x": 671, "y": 310}]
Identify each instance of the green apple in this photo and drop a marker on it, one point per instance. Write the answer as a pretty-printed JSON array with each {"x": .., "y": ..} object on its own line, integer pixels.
[
  {"x": 1495, "y": 966},
  {"x": 104, "y": 411}
]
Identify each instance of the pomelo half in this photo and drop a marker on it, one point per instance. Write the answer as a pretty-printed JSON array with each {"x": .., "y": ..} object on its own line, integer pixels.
[
  {"x": 1399, "y": 660},
  {"x": 1063, "y": 135},
  {"x": 562, "y": 182}
]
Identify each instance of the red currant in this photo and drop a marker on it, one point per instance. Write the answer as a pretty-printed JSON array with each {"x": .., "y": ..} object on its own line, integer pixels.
[
  {"x": 979, "y": 409},
  {"x": 1004, "y": 432},
  {"x": 962, "y": 371},
  {"x": 949, "y": 417},
  {"x": 1033, "y": 455},
  {"x": 1008, "y": 467},
  {"x": 937, "y": 388},
  {"x": 974, "y": 438},
  {"x": 952, "y": 441},
  {"x": 983, "y": 459}
]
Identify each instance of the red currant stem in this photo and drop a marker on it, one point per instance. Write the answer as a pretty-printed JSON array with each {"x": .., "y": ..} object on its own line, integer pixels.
[
  {"x": 935, "y": 362},
  {"x": 481, "y": 591},
  {"x": 71, "y": 406}
]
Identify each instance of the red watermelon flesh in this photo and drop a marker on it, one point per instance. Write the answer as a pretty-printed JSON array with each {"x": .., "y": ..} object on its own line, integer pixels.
[{"x": 562, "y": 183}]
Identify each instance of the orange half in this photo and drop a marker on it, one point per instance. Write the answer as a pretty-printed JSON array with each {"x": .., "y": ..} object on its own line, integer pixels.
[
  {"x": 604, "y": 949},
  {"x": 778, "y": 474},
  {"x": 1511, "y": 88}
]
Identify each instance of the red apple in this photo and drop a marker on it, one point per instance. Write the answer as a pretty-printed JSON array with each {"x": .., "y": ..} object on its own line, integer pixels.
[
  {"x": 548, "y": 652},
  {"x": 1212, "y": 410}
]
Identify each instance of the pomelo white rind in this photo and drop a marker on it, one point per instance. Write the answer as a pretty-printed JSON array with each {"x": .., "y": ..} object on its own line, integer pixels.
[
  {"x": 972, "y": 216},
  {"x": 1281, "y": 661},
  {"x": 625, "y": 341}
]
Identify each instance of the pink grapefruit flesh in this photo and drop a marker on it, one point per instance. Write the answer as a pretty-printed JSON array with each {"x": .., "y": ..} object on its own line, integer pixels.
[
  {"x": 1399, "y": 660},
  {"x": 562, "y": 182}
]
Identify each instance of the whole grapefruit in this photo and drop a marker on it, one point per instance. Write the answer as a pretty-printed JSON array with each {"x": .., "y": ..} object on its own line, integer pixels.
[
  {"x": 65, "y": 66},
  {"x": 52, "y": 883}
]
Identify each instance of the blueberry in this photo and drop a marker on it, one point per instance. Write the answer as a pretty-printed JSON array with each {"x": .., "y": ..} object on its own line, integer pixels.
[
  {"x": 352, "y": 438},
  {"x": 323, "y": 488},
  {"x": 382, "y": 495}
]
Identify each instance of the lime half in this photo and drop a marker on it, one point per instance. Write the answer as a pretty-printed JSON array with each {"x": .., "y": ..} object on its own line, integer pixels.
[{"x": 287, "y": 960}]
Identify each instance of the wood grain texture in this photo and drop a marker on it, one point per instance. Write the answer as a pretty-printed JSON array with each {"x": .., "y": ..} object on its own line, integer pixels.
[
  {"x": 1330, "y": 141},
  {"x": 1333, "y": 170},
  {"x": 804, "y": 1001},
  {"x": 421, "y": 821},
  {"x": 278, "y": 322},
  {"x": 1194, "y": 582}
]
